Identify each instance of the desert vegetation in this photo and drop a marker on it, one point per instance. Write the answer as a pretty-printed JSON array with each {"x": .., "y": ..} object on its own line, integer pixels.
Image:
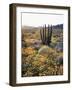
[{"x": 42, "y": 50}]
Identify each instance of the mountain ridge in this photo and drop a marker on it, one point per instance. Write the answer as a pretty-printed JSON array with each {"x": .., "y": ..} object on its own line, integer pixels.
[{"x": 58, "y": 26}]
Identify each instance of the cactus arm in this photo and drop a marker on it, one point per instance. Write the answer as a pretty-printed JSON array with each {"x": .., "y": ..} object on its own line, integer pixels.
[
  {"x": 51, "y": 34},
  {"x": 41, "y": 35},
  {"x": 45, "y": 33}
]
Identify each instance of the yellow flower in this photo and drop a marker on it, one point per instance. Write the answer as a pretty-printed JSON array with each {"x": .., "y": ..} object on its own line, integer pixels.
[{"x": 28, "y": 51}]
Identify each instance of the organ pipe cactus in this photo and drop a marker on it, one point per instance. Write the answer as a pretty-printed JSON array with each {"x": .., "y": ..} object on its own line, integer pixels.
[{"x": 46, "y": 34}]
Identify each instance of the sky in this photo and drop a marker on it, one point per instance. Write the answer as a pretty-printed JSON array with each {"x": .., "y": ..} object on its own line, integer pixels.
[{"x": 39, "y": 19}]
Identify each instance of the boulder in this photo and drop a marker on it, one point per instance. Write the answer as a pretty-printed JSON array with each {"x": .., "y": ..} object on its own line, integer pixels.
[{"x": 43, "y": 50}]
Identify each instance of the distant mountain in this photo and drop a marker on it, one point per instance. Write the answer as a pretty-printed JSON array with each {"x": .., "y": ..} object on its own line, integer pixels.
[
  {"x": 58, "y": 26},
  {"x": 29, "y": 27}
]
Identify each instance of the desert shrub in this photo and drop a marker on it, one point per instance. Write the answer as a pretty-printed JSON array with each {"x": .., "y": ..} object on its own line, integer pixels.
[
  {"x": 24, "y": 44},
  {"x": 59, "y": 60},
  {"x": 52, "y": 45},
  {"x": 54, "y": 39},
  {"x": 42, "y": 62},
  {"x": 28, "y": 51}
]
